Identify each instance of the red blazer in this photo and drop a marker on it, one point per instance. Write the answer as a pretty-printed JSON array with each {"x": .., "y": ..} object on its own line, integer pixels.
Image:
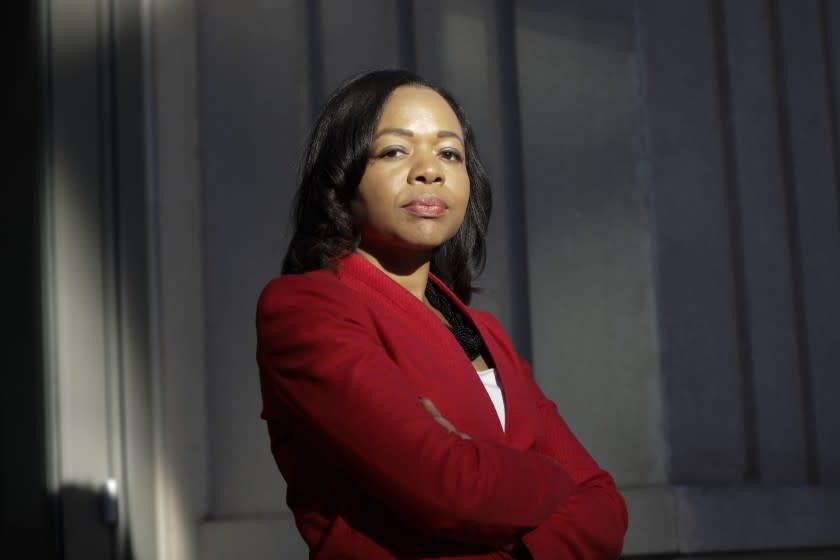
[{"x": 343, "y": 359}]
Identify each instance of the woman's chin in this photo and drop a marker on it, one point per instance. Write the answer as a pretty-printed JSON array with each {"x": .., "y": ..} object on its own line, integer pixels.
[
  {"x": 425, "y": 243},
  {"x": 410, "y": 241},
  {"x": 411, "y": 247},
  {"x": 431, "y": 238}
]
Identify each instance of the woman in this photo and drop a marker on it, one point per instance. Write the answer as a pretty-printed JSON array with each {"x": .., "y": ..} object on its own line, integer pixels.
[{"x": 403, "y": 421}]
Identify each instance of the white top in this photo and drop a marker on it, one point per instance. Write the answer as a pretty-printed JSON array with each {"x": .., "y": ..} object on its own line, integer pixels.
[{"x": 491, "y": 384}]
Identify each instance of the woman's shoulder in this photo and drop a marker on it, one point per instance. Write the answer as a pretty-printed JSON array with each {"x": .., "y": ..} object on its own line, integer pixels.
[{"x": 316, "y": 289}]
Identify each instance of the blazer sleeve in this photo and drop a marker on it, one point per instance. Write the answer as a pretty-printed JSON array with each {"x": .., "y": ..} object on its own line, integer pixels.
[
  {"x": 326, "y": 376},
  {"x": 590, "y": 524}
]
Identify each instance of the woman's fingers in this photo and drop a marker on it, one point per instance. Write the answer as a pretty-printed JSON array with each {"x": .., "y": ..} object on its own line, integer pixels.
[
  {"x": 432, "y": 409},
  {"x": 430, "y": 406}
]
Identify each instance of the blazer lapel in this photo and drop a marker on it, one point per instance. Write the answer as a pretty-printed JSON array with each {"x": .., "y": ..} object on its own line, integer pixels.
[
  {"x": 466, "y": 387},
  {"x": 521, "y": 417}
]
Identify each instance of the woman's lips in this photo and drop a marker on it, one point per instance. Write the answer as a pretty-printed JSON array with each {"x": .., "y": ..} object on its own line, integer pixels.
[{"x": 426, "y": 206}]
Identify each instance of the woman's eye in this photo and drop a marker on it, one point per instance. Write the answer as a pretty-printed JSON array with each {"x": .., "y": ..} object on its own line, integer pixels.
[
  {"x": 391, "y": 152},
  {"x": 451, "y": 155}
]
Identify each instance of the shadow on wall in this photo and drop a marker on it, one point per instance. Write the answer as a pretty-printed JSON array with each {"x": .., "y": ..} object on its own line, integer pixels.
[
  {"x": 88, "y": 526},
  {"x": 81, "y": 524}
]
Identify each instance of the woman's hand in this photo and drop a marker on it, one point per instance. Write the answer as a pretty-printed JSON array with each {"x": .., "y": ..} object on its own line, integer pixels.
[{"x": 432, "y": 409}]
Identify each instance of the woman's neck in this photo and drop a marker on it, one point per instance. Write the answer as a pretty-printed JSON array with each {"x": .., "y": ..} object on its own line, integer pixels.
[{"x": 408, "y": 269}]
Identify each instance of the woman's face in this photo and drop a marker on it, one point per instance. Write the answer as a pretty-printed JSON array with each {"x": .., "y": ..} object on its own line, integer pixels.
[{"x": 414, "y": 191}]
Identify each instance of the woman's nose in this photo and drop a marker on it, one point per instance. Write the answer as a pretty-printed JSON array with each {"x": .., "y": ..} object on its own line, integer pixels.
[{"x": 428, "y": 172}]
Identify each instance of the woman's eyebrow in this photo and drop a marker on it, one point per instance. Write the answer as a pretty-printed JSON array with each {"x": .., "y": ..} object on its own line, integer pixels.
[
  {"x": 406, "y": 132},
  {"x": 397, "y": 131},
  {"x": 445, "y": 133}
]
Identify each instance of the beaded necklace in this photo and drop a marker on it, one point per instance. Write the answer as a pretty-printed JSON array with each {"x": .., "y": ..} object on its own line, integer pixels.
[{"x": 463, "y": 330}]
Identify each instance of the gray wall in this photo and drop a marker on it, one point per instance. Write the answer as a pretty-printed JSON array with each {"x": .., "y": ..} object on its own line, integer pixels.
[{"x": 747, "y": 238}]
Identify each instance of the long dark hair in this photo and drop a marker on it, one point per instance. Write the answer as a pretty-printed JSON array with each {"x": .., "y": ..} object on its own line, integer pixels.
[{"x": 333, "y": 164}]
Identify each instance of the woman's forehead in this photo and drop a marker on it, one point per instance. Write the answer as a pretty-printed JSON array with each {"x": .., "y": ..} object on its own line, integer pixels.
[{"x": 420, "y": 110}]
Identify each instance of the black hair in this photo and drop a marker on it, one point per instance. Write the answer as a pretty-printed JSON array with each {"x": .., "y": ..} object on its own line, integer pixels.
[{"x": 333, "y": 163}]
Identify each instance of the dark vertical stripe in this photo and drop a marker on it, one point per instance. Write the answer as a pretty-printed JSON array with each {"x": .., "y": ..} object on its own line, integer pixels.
[
  {"x": 315, "y": 48},
  {"x": 729, "y": 158},
  {"x": 511, "y": 132},
  {"x": 24, "y": 508},
  {"x": 646, "y": 179},
  {"x": 792, "y": 208},
  {"x": 831, "y": 86},
  {"x": 406, "y": 34},
  {"x": 55, "y": 524}
]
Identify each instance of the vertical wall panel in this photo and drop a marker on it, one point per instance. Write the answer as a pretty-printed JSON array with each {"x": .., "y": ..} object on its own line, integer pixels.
[
  {"x": 588, "y": 230},
  {"x": 695, "y": 287},
  {"x": 80, "y": 296},
  {"x": 370, "y": 42},
  {"x": 830, "y": 15},
  {"x": 766, "y": 263},
  {"x": 75, "y": 197},
  {"x": 816, "y": 205},
  {"x": 252, "y": 118},
  {"x": 511, "y": 179},
  {"x": 138, "y": 476},
  {"x": 177, "y": 285}
]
